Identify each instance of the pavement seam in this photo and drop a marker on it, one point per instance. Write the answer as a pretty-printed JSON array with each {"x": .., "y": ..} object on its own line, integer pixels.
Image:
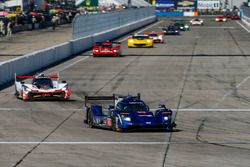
[
  {"x": 178, "y": 107},
  {"x": 236, "y": 42},
  {"x": 221, "y": 144},
  {"x": 180, "y": 98},
  {"x": 68, "y": 117},
  {"x": 37, "y": 145},
  {"x": 122, "y": 70},
  {"x": 198, "y": 136}
]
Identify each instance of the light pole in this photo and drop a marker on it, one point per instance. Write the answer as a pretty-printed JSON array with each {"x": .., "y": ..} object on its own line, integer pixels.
[
  {"x": 226, "y": 4},
  {"x": 129, "y": 3}
]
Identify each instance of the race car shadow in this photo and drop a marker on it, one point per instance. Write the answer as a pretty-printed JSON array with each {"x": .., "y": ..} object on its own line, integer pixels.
[
  {"x": 49, "y": 100},
  {"x": 120, "y": 56},
  {"x": 152, "y": 131}
]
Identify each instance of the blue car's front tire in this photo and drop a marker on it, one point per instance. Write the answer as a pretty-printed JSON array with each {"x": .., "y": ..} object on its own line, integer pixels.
[{"x": 116, "y": 127}]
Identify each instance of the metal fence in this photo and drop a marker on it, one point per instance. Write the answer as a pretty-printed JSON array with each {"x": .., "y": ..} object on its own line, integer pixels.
[{"x": 85, "y": 25}]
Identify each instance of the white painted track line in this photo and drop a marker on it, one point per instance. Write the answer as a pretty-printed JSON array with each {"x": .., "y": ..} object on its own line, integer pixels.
[
  {"x": 39, "y": 110},
  {"x": 124, "y": 143},
  {"x": 210, "y": 27},
  {"x": 213, "y": 110},
  {"x": 180, "y": 110},
  {"x": 231, "y": 91},
  {"x": 71, "y": 64},
  {"x": 243, "y": 26}
]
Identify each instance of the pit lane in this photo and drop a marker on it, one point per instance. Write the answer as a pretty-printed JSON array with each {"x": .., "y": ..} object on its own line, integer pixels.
[{"x": 184, "y": 79}]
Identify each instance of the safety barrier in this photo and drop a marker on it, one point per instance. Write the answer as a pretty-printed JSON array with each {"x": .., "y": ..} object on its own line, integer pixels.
[
  {"x": 169, "y": 14},
  {"x": 176, "y": 14},
  {"x": 245, "y": 15},
  {"x": 49, "y": 56},
  {"x": 91, "y": 24}
]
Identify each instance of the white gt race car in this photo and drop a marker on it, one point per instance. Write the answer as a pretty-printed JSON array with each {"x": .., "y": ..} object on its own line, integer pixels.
[
  {"x": 199, "y": 22},
  {"x": 157, "y": 36},
  {"x": 41, "y": 87}
]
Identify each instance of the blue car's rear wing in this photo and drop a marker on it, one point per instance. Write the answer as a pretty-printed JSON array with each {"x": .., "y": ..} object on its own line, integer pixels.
[
  {"x": 108, "y": 98},
  {"x": 99, "y": 98},
  {"x": 138, "y": 96}
]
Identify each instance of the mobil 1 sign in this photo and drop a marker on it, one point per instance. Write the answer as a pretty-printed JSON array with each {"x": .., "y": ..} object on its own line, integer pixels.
[{"x": 208, "y": 4}]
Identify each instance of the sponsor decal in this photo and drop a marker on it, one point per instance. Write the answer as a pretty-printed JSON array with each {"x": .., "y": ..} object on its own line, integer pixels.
[
  {"x": 185, "y": 4},
  {"x": 208, "y": 5},
  {"x": 165, "y": 4}
]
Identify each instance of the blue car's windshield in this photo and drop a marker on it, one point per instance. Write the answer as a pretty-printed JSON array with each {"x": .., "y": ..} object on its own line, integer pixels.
[{"x": 131, "y": 107}]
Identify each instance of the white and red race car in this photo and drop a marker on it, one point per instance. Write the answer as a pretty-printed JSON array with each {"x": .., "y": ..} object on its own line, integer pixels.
[
  {"x": 41, "y": 87},
  {"x": 197, "y": 21},
  {"x": 157, "y": 36}
]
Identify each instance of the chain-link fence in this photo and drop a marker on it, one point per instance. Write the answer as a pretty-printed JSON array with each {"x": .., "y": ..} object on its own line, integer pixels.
[{"x": 85, "y": 25}]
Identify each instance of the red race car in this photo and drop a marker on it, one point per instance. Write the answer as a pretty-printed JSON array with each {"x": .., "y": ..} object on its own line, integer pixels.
[
  {"x": 221, "y": 19},
  {"x": 157, "y": 36},
  {"x": 235, "y": 17},
  {"x": 107, "y": 49}
]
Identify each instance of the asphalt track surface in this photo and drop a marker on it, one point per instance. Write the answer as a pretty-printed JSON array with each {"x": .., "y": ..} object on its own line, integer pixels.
[
  {"x": 25, "y": 42},
  {"x": 203, "y": 74}
]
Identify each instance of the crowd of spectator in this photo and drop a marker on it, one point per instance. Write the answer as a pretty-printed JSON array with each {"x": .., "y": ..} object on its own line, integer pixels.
[
  {"x": 38, "y": 20},
  {"x": 111, "y": 7},
  {"x": 6, "y": 27},
  {"x": 34, "y": 20}
]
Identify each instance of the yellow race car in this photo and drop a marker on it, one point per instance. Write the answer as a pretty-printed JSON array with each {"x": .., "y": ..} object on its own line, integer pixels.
[{"x": 140, "y": 40}]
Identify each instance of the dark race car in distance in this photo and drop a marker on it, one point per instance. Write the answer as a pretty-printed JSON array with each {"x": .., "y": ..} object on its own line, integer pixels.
[
  {"x": 126, "y": 113},
  {"x": 235, "y": 17},
  {"x": 107, "y": 48},
  {"x": 171, "y": 30},
  {"x": 182, "y": 25}
]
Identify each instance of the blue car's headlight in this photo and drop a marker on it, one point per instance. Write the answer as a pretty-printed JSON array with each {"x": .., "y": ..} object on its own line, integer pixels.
[
  {"x": 127, "y": 119},
  {"x": 166, "y": 118}
]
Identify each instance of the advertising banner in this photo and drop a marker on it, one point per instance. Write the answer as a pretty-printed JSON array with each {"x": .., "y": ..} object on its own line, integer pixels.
[
  {"x": 1, "y": 5},
  {"x": 187, "y": 5},
  {"x": 209, "y": 5},
  {"x": 86, "y": 3},
  {"x": 165, "y": 4}
]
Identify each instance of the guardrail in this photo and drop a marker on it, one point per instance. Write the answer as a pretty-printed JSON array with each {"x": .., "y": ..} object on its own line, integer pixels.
[{"x": 46, "y": 57}]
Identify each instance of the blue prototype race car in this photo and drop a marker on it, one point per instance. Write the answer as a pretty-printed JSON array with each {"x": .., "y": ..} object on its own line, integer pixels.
[{"x": 126, "y": 113}]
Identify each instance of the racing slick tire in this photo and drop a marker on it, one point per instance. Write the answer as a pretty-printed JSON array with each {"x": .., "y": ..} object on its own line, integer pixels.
[
  {"x": 171, "y": 127},
  {"x": 116, "y": 127},
  {"x": 90, "y": 122},
  {"x": 17, "y": 94},
  {"x": 30, "y": 97}
]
